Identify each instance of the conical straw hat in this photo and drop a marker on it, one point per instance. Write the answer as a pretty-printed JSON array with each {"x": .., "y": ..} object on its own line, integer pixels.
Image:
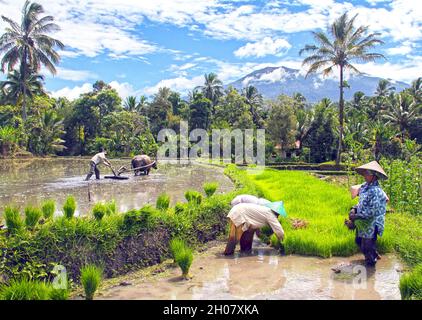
[{"x": 372, "y": 166}]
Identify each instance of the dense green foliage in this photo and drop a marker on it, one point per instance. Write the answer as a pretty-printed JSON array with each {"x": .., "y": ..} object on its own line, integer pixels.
[{"x": 91, "y": 276}]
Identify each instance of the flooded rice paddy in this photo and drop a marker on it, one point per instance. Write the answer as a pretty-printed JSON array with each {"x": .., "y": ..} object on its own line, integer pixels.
[{"x": 30, "y": 181}]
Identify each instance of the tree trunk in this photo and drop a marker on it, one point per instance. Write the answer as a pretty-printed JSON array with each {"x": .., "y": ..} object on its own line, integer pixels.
[{"x": 341, "y": 115}]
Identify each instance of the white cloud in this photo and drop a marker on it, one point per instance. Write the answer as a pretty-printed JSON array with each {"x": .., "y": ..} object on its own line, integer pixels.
[
  {"x": 266, "y": 46},
  {"x": 405, "y": 48},
  {"x": 124, "y": 89},
  {"x": 72, "y": 93},
  {"x": 179, "y": 84},
  {"x": 74, "y": 75},
  {"x": 276, "y": 75}
]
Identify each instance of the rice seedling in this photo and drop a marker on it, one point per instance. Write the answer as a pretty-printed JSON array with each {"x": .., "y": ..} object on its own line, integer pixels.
[
  {"x": 91, "y": 277},
  {"x": 411, "y": 284},
  {"x": 69, "y": 207},
  {"x": 112, "y": 207},
  {"x": 179, "y": 208},
  {"x": 13, "y": 220},
  {"x": 163, "y": 202},
  {"x": 274, "y": 241},
  {"x": 184, "y": 259},
  {"x": 210, "y": 188},
  {"x": 25, "y": 290},
  {"x": 99, "y": 211},
  {"x": 32, "y": 216},
  {"x": 193, "y": 197},
  {"x": 175, "y": 246},
  {"x": 48, "y": 208}
]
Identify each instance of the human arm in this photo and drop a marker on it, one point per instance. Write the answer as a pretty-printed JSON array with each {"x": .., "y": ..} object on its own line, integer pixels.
[{"x": 275, "y": 225}]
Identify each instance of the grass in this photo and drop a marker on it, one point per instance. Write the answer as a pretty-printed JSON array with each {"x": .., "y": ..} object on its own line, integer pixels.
[
  {"x": 48, "y": 208},
  {"x": 411, "y": 284},
  {"x": 91, "y": 277},
  {"x": 182, "y": 255},
  {"x": 13, "y": 219},
  {"x": 163, "y": 202},
  {"x": 32, "y": 216},
  {"x": 24, "y": 289},
  {"x": 210, "y": 188},
  {"x": 69, "y": 207}
]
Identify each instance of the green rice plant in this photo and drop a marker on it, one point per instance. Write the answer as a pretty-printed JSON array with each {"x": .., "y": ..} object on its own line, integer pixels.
[
  {"x": 193, "y": 197},
  {"x": 32, "y": 216},
  {"x": 210, "y": 188},
  {"x": 179, "y": 208},
  {"x": 182, "y": 255},
  {"x": 275, "y": 242},
  {"x": 99, "y": 211},
  {"x": 69, "y": 207},
  {"x": 112, "y": 207},
  {"x": 25, "y": 290},
  {"x": 48, "y": 208},
  {"x": 163, "y": 202},
  {"x": 13, "y": 219},
  {"x": 136, "y": 220},
  {"x": 59, "y": 294},
  {"x": 91, "y": 277},
  {"x": 411, "y": 284}
]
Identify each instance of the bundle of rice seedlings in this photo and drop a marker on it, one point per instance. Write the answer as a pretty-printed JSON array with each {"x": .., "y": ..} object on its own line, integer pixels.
[
  {"x": 193, "y": 197},
  {"x": 32, "y": 216},
  {"x": 210, "y": 188},
  {"x": 91, "y": 276},
  {"x": 183, "y": 256},
  {"x": 48, "y": 208},
  {"x": 13, "y": 219},
  {"x": 163, "y": 202},
  {"x": 69, "y": 207}
]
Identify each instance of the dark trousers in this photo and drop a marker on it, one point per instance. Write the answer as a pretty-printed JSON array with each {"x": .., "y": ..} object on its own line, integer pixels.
[
  {"x": 236, "y": 235},
  {"x": 368, "y": 246},
  {"x": 93, "y": 169}
]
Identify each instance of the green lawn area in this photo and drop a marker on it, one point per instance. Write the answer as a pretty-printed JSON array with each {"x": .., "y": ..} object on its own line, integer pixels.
[{"x": 324, "y": 206}]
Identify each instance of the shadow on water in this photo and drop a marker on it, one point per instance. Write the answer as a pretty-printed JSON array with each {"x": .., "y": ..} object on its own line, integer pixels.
[{"x": 30, "y": 181}]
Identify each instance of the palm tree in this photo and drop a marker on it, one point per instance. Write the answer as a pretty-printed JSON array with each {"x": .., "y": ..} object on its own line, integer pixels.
[
  {"x": 29, "y": 45},
  {"x": 212, "y": 88},
  {"x": 416, "y": 90},
  {"x": 17, "y": 87},
  {"x": 130, "y": 103},
  {"x": 254, "y": 100},
  {"x": 347, "y": 44},
  {"x": 402, "y": 111},
  {"x": 384, "y": 88}
]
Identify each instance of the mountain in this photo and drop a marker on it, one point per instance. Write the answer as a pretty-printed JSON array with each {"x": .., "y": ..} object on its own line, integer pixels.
[{"x": 273, "y": 81}]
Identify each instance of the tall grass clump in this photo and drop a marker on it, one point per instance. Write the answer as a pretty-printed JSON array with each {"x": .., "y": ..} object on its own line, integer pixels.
[
  {"x": 48, "y": 208},
  {"x": 13, "y": 219},
  {"x": 193, "y": 197},
  {"x": 182, "y": 255},
  {"x": 210, "y": 188},
  {"x": 32, "y": 216},
  {"x": 69, "y": 207},
  {"x": 99, "y": 210},
  {"x": 25, "y": 290},
  {"x": 163, "y": 202},
  {"x": 411, "y": 284},
  {"x": 91, "y": 277}
]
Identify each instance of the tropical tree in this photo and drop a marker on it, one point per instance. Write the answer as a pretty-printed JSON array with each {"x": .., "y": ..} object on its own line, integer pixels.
[
  {"x": 212, "y": 88},
  {"x": 159, "y": 109},
  {"x": 8, "y": 138},
  {"x": 344, "y": 44},
  {"x": 29, "y": 44},
  {"x": 130, "y": 104},
  {"x": 416, "y": 90},
  {"x": 255, "y": 100}
]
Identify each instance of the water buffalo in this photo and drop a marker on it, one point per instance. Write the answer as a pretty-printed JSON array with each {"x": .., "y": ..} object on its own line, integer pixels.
[{"x": 141, "y": 161}]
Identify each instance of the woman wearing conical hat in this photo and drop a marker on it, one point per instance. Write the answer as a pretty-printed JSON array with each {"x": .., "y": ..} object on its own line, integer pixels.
[{"x": 369, "y": 215}]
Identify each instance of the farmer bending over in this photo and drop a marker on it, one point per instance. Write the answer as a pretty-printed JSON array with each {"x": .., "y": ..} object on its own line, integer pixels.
[
  {"x": 369, "y": 215},
  {"x": 95, "y": 162},
  {"x": 246, "y": 218}
]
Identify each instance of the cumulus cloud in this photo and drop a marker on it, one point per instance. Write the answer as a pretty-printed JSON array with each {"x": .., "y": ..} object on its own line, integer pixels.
[
  {"x": 277, "y": 75},
  {"x": 74, "y": 75},
  {"x": 72, "y": 93},
  {"x": 266, "y": 46},
  {"x": 179, "y": 84}
]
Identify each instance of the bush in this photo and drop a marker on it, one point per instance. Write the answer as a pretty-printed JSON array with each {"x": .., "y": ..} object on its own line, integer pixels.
[
  {"x": 210, "y": 188},
  {"x": 13, "y": 219},
  {"x": 182, "y": 255},
  {"x": 163, "y": 202},
  {"x": 25, "y": 290},
  {"x": 48, "y": 208},
  {"x": 100, "y": 210},
  {"x": 411, "y": 284},
  {"x": 91, "y": 276},
  {"x": 69, "y": 207},
  {"x": 32, "y": 216},
  {"x": 193, "y": 197}
]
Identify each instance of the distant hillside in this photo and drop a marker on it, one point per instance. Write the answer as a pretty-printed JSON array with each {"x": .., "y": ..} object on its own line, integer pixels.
[{"x": 273, "y": 81}]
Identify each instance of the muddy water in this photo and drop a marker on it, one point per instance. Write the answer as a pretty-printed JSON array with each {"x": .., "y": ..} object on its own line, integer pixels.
[
  {"x": 265, "y": 274},
  {"x": 30, "y": 181}
]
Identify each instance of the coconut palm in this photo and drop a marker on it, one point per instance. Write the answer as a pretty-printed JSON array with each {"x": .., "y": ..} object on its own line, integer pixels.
[
  {"x": 17, "y": 87},
  {"x": 130, "y": 103},
  {"x": 416, "y": 90},
  {"x": 29, "y": 45},
  {"x": 344, "y": 44},
  {"x": 384, "y": 88},
  {"x": 402, "y": 111},
  {"x": 212, "y": 88},
  {"x": 254, "y": 100}
]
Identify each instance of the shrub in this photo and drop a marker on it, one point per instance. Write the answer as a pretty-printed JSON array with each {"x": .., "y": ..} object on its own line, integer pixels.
[
  {"x": 182, "y": 255},
  {"x": 193, "y": 197},
  {"x": 25, "y": 290},
  {"x": 48, "y": 208},
  {"x": 99, "y": 210},
  {"x": 91, "y": 276},
  {"x": 69, "y": 207},
  {"x": 210, "y": 188},
  {"x": 13, "y": 219},
  {"x": 32, "y": 216},
  {"x": 411, "y": 284},
  {"x": 163, "y": 202}
]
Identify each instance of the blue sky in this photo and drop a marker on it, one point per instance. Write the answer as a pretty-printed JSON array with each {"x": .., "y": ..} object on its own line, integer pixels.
[{"x": 141, "y": 45}]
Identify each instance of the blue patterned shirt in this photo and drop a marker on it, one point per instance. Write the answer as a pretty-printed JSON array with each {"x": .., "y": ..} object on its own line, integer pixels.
[{"x": 371, "y": 210}]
